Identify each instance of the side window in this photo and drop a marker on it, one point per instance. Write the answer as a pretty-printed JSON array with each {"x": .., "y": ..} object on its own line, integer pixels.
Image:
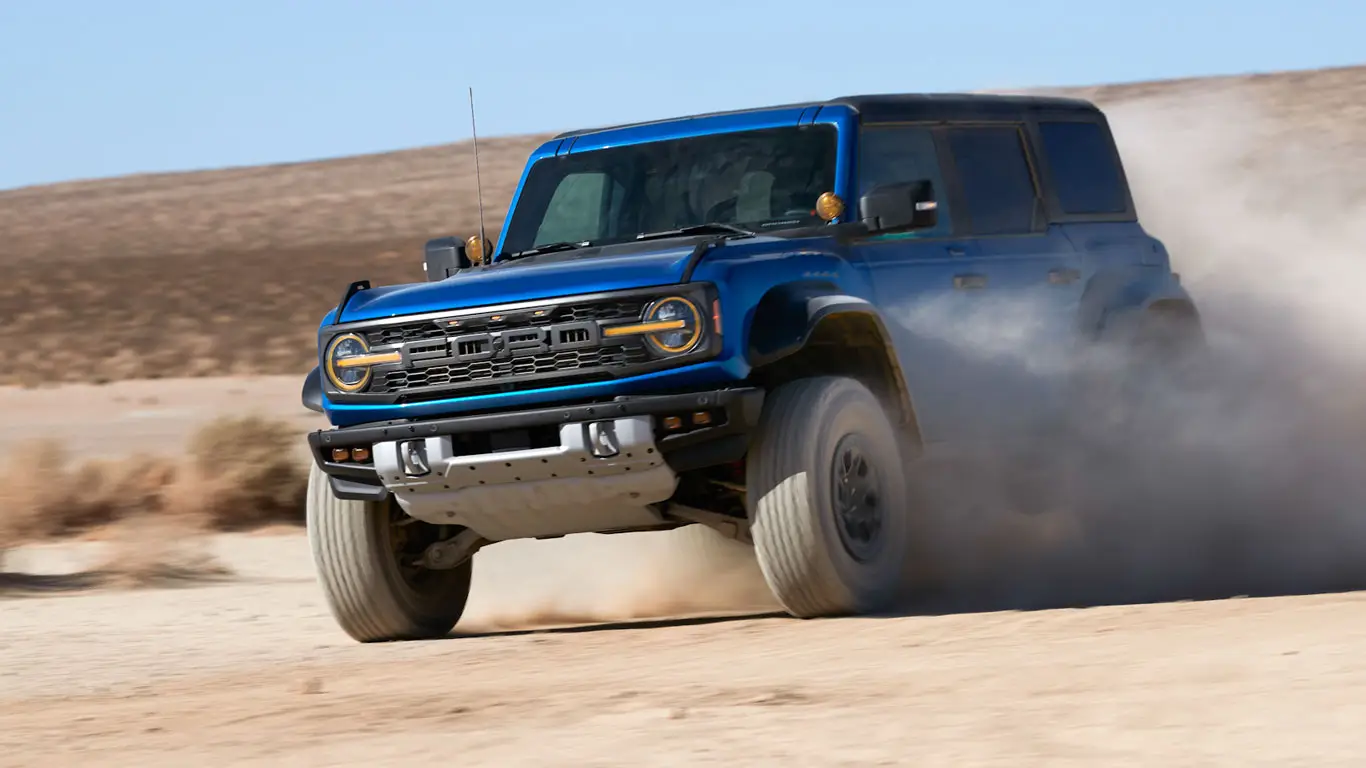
[
  {"x": 1083, "y": 166},
  {"x": 997, "y": 184},
  {"x": 899, "y": 153},
  {"x": 577, "y": 210}
]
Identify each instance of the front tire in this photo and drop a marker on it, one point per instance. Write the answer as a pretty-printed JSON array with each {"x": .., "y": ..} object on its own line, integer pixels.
[
  {"x": 828, "y": 500},
  {"x": 361, "y": 551}
]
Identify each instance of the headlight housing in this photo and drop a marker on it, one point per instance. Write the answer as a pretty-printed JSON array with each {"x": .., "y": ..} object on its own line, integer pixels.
[
  {"x": 678, "y": 322},
  {"x": 348, "y": 360}
]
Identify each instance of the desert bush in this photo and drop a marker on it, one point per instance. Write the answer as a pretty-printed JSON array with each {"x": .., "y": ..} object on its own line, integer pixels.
[
  {"x": 244, "y": 472},
  {"x": 42, "y": 495},
  {"x": 241, "y": 473}
]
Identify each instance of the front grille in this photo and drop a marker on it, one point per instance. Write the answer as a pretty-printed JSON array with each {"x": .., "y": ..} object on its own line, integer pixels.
[
  {"x": 618, "y": 309},
  {"x": 491, "y": 371},
  {"x": 432, "y": 368}
]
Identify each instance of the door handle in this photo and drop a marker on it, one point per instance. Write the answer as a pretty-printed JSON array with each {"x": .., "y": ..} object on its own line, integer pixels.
[
  {"x": 957, "y": 251},
  {"x": 1063, "y": 276},
  {"x": 969, "y": 282}
]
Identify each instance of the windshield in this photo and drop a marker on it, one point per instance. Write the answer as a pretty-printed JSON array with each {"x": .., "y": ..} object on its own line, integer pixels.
[{"x": 764, "y": 179}]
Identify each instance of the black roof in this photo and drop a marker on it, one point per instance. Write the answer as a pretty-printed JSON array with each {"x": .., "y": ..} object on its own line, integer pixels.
[{"x": 905, "y": 107}]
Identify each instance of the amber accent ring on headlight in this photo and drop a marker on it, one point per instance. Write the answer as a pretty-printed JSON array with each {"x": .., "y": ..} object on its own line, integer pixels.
[
  {"x": 348, "y": 362},
  {"x": 672, "y": 326},
  {"x": 679, "y": 324}
]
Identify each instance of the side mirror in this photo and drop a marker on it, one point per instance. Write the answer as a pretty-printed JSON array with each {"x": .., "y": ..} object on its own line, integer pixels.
[
  {"x": 902, "y": 205},
  {"x": 444, "y": 257}
]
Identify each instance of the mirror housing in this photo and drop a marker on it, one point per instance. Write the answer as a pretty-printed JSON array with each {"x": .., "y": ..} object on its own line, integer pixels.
[
  {"x": 899, "y": 206},
  {"x": 445, "y": 256}
]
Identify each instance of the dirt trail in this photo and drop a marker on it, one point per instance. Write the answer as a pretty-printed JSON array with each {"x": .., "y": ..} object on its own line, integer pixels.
[{"x": 254, "y": 672}]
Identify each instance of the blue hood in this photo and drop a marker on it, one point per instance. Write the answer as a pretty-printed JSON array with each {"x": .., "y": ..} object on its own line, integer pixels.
[{"x": 545, "y": 277}]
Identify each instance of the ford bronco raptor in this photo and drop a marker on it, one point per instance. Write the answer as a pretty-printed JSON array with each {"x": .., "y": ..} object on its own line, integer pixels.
[{"x": 719, "y": 321}]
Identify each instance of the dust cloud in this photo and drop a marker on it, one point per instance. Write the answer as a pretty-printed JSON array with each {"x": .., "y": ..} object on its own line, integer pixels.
[
  {"x": 1242, "y": 476},
  {"x": 591, "y": 578}
]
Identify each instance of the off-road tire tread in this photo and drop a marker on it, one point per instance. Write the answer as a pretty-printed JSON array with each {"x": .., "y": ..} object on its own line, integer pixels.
[
  {"x": 351, "y": 560},
  {"x": 793, "y": 550}
]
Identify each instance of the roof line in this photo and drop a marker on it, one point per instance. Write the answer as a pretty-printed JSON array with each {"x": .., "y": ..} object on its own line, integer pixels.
[{"x": 857, "y": 103}]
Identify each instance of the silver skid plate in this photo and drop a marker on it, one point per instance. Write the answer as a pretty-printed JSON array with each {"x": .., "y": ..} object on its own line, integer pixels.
[{"x": 601, "y": 477}]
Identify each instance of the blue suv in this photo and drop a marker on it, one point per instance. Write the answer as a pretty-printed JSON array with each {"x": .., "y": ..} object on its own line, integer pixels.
[{"x": 748, "y": 323}]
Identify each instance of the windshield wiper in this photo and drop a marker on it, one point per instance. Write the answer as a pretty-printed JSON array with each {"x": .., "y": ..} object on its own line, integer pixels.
[
  {"x": 547, "y": 248},
  {"x": 697, "y": 229}
]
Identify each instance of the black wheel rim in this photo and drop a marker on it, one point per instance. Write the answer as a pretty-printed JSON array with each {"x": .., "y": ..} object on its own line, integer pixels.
[{"x": 857, "y": 498}]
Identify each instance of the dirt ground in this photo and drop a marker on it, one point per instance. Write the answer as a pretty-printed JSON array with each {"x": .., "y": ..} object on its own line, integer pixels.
[
  {"x": 573, "y": 652},
  {"x": 252, "y": 671}
]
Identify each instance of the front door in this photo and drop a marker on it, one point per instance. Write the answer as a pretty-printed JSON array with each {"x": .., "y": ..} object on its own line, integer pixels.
[
  {"x": 980, "y": 306},
  {"x": 914, "y": 274}
]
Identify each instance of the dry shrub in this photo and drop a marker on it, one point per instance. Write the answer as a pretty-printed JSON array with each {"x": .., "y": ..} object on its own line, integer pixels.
[
  {"x": 244, "y": 473},
  {"x": 43, "y": 496}
]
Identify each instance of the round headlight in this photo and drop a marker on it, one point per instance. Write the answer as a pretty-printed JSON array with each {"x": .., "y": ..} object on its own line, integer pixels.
[
  {"x": 681, "y": 323},
  {"x": 347, "y": 378}
]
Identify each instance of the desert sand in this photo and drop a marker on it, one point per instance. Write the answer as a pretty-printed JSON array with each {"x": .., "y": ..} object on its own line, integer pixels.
[{"x": 252, "y": 671}]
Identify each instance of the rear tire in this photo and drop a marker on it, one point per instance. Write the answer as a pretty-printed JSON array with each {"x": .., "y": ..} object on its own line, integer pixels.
[
  {"x": 828, "y": 500},
  {"x": 358, "y": 550}
]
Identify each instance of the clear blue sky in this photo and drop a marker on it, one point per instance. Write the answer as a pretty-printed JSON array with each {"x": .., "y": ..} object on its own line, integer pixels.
[{"x": 107, "y": 87}]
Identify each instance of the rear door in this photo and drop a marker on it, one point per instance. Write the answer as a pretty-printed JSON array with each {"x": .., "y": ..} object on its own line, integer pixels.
[{"x": 1015, "y": 340}]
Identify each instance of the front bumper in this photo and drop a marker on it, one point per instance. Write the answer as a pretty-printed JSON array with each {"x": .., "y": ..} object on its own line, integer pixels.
[{"x": 535, "y": 472}]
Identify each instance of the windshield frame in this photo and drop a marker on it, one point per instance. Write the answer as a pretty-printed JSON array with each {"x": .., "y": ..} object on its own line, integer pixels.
[{"x": 843, "y": 119}]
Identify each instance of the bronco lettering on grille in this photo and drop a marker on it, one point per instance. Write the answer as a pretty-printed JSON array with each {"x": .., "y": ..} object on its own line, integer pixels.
[{"x": 497, "y": 345}]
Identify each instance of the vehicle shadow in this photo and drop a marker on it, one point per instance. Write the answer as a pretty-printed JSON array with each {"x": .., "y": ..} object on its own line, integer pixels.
[
  {"x": 966, "y": 602},
  {"x": 16, "y": 585},
  {"x": 617, "y": 626},
  {"x": 34, "y": 585}
]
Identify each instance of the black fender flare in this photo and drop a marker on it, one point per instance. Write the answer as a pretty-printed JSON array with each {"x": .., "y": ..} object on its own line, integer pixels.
[
  {"x": 788, "y": 316},
  {"x": 312, "y": 394},
  {"x": 1114, "y": 303}
]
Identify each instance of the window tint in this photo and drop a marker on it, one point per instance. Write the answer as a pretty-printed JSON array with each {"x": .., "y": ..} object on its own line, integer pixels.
[
  {"x": 996, "y": 181},
  {"x": 1083, "y": 168},
  {"x": 890, "y": 155},
  {"x": 765, "y": 179},
  {"x": 575, "y": 211}
]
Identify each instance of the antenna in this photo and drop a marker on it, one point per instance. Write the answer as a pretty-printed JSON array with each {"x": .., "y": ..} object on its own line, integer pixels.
[{"x": 478, "y": 182}]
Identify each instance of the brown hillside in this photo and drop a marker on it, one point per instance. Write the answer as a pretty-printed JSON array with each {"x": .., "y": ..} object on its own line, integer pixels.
[{"x": 213, "y": 272}]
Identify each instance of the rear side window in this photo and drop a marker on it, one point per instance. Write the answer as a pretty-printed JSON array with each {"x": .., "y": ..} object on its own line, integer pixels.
[
  {"x": 997, "y": 183},
  {"x": 1083, "y": 167}
]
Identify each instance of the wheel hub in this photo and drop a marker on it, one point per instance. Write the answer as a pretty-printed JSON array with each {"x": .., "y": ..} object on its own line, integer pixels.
[{"x": 857, "y": 498}]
